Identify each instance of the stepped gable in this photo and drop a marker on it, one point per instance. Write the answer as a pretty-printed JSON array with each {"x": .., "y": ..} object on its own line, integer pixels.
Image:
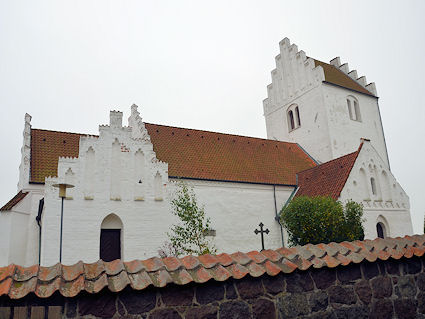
[
  {"x": 16, "y": 282},
  {"x": 339, "y": 78},
  {"x": 327, "y": 179},
  {"x": 189, "y": 154}
]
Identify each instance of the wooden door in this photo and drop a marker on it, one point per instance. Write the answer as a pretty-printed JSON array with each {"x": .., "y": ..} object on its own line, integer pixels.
[{"x": 110, "y": 244}]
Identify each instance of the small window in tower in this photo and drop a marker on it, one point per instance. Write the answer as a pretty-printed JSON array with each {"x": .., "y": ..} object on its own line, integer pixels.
[
  {"x": 353, "y": 109},
  {"x": 349, "y": 109},
  {"x": 297, "y": 113},
  {"x": 291, "y": 120},
  {"x": 373, "y": 184},
  {"x": 357, "y": 111}
]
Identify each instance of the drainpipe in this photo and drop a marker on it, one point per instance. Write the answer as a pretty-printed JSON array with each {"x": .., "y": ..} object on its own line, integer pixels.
[
  {"x": 294, "y": 191},
  {"x": 277, "y": 216},
  {"x": 38, "y": 219}
]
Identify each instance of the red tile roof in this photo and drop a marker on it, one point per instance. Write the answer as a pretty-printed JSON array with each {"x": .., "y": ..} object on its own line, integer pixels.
[
  {"x": 16, "y": 281},
  {"x": 337, "y": 77},
  {"x": 327, "y": 179},
  {"x": 15, "y": 200},
  {"x": 190, "y": 154},
  {"x": 217, "y": 156},
  {"x": 46, "y": 148}
]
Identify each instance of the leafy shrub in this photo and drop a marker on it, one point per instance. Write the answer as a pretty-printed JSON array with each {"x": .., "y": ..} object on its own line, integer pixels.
[
  {"x": 317, "y": 220},
  {"x": 189, "y": 235}
]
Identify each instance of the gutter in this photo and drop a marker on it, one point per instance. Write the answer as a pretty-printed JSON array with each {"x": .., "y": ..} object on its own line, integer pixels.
[{"x": 38, "y": 219}]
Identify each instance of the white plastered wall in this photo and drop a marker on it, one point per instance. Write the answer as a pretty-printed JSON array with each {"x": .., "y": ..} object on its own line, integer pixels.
[
  {"x": 235, "y": 209},
  {"x": 390, "y": 201},
  {"x": 19, "y": 231},
  {"x": 344, "y": 132}
]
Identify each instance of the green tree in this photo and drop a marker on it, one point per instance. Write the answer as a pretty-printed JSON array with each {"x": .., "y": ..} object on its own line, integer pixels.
[
  {"x": 317, "y": 220},
  {"x": 189, "y": 235}
]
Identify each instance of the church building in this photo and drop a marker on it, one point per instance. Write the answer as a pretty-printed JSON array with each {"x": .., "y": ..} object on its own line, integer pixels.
[{"x": 324, "y": 137}]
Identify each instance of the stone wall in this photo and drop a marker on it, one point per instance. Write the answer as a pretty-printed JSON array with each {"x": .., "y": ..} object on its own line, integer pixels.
[{"x": 383, "y": 289}]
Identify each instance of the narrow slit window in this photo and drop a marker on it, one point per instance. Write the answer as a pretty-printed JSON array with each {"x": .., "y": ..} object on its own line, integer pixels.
[
  {"x": 353, "y": 109},
  {"x": 357, "y": 111},
  {"x": 349, "y": 109},
  {"x": 373, "y": 185},
  {"x": 297, "y": 113},
  {"x": 291, "y": 120}
]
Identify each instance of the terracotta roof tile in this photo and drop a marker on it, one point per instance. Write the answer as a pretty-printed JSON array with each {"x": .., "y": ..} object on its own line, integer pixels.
[
  {"x": 46, "y": 148},
  {"x": 337, "y": 77},
  {"x": 139, "y": 281},
  {"x": 327, "y": 179},
  {"x": 189, "y": 154},
  {"x": 15, "y": 200},
  {"x": 17, "y": 282}
]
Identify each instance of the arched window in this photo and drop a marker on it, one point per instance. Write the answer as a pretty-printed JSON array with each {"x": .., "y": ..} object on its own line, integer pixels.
[
  {"x": 110, "y": 238},
  {"x": 353, "y": 108},
  {"x": 373, "y": 185},
  {"x": 291, "y": 120},
  {"x": 293, "y": 116}
]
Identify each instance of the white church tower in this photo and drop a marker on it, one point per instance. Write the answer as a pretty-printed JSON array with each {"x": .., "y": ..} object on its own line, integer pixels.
[{"x": 325, "y": 108}]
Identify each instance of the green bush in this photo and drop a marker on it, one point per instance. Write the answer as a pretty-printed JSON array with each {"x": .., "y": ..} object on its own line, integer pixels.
[{"x": 317, "y": 220}]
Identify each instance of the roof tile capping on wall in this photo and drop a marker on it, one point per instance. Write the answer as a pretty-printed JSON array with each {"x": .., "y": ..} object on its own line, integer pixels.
[{"x": 373, "y": 278}]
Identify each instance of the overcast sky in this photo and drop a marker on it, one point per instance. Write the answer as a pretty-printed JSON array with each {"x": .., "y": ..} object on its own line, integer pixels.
[{"x": 202, "y": 65}]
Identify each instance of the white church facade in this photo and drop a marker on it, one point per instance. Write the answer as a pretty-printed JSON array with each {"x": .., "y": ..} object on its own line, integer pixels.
[{"x": 325, "y": 137}]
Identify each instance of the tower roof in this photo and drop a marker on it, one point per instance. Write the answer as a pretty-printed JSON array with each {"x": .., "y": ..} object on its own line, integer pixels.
[{"x": 339, "y": 78}]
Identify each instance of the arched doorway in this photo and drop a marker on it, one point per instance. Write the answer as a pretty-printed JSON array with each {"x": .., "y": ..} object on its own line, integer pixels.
[
  {"x": 380, "y": 229},
  {"x": 110, "y": 238}
]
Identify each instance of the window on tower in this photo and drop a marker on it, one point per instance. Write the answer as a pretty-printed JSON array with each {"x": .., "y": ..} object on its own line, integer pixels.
[
  {"x": 291, "y": 120},
  {"x": 353, "y": 109},
  {"x": 297, "y": 113},
  {"x": 293, "y": 115}
]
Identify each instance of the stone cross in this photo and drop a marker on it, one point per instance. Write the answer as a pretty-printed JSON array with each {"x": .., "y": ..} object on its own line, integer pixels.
[{"x": 261, "y": 231}]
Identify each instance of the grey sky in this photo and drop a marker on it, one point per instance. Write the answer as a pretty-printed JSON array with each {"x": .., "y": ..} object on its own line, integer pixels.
[{"x": 202, "y": 65}]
